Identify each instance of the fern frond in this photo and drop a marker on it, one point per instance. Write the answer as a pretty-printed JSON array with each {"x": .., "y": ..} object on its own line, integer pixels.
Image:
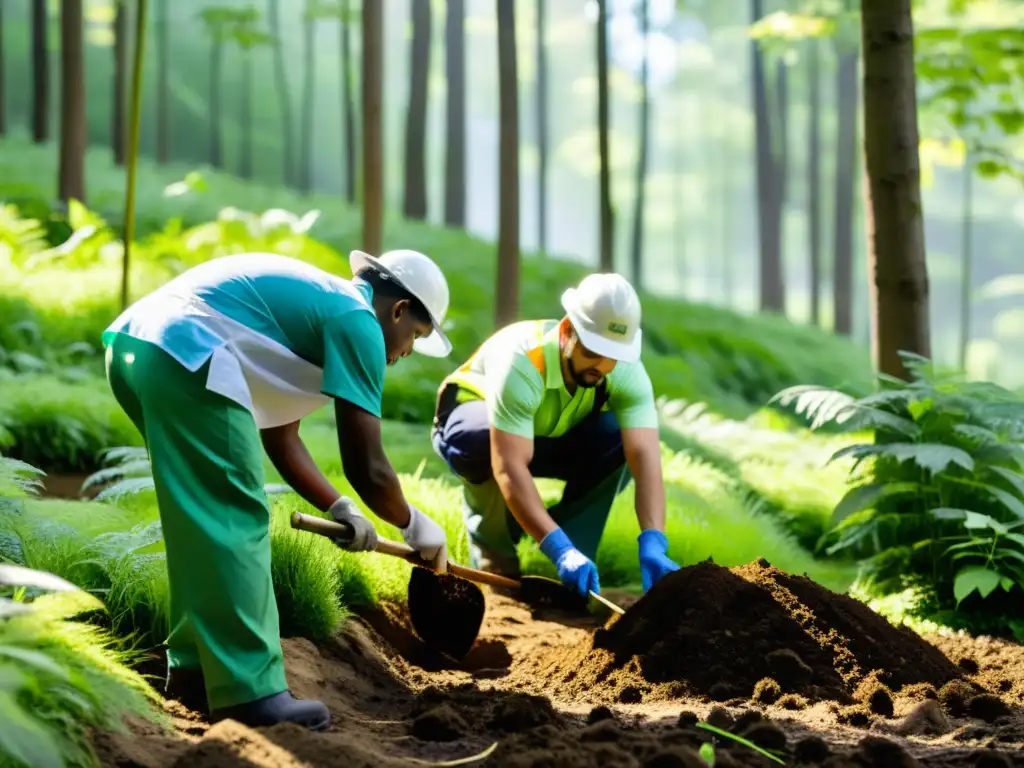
[
  {"x": 127, "y": 487},
  {"x": 821, "y": 405}
]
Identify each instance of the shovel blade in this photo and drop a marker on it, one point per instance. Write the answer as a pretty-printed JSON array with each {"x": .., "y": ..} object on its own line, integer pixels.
[
  {"x": 446, "y": 611},
  {"x": 542, "y": 591}
]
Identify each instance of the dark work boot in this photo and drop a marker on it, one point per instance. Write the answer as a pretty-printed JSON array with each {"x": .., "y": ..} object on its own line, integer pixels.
[
  {"x": 187, "y": 686},
  {"x": 277, "y": 708}
]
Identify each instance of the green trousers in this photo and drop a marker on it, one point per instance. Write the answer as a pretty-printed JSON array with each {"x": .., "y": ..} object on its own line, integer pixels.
[{"x": 207, "y": 461}]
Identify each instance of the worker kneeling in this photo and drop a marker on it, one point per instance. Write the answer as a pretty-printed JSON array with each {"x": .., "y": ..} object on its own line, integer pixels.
[
  {"x": 565, "y": 399},
  {"x": 219, "y": 365}
]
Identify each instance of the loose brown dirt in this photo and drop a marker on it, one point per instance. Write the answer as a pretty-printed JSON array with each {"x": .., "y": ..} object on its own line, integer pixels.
[{"x": 813, "y": 676}]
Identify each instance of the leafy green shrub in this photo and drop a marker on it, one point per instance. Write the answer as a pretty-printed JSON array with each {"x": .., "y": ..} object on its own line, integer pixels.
[
  {"x": 61, "y": 677},
  {"x": 938, "y": 500}
]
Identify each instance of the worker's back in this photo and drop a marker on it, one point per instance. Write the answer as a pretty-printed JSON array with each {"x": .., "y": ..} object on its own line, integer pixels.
[{"x": 284, "y": 299}]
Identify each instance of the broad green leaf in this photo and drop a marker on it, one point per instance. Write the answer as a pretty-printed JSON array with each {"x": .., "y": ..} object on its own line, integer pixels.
[
  {"x": 1011, "y": 502},
  {"x": 707, "y": 754},
  {"x": 975, "y": 577},
  {"x": 1013, "y": 478},
  {"x": 863, "y": 496},
  {"x": 972, "y": 520},
  {"x": 1016, "y": 537},
  {"x": 861, "y": 417},
  {"x": 934, "y": 457}
]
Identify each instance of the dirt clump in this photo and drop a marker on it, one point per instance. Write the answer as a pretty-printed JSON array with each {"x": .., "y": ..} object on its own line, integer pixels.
[
  {"x": 925, "y": 719},
  {"x": 752, "y": 632},
  {"x": 439, "y": 724}
]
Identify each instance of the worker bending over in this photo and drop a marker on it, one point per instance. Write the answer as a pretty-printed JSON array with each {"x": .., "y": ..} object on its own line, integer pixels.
[
  {"x": 564, "y": 399},
  {"x": 222, "y": 360}
]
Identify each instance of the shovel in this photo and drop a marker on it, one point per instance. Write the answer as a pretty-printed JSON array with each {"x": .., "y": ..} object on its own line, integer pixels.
[{"x": 446, "y": 609}]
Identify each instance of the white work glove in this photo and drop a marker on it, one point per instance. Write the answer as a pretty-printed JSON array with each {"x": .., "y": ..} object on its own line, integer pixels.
[
  {"x": 364, "y": 538},
  {"x": 427, "y": 538}
]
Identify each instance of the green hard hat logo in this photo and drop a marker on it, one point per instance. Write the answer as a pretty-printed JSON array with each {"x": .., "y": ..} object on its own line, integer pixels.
[{"x": 619, "y": 328}]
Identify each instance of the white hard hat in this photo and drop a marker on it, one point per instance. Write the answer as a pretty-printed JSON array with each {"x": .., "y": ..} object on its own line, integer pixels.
[
  {"x": 421, "y": 277},
  {"x": 605, "y": 313}
]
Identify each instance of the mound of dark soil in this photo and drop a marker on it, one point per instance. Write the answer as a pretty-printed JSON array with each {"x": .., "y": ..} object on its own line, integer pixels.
[{"x": 717, "y": 632}]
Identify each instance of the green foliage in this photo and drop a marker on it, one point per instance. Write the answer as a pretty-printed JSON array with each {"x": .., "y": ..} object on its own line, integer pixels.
[
  {"x": 61, "y": 425},
  {"x": 59, "y": 677},
  {"x": 938, "y": 496},
  {"x": 693, "y": 351}
]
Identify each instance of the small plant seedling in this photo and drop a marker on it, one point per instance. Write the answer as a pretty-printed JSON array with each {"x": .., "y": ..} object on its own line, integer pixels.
[
  {"x": 707, "y": 754},
  {"x": 740, "y": 740}
]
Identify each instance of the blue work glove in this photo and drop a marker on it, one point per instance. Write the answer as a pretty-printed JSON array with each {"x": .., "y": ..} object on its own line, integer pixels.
[
  {"x": 654, "y": 563},
  {"x": 575, "y": 569}
]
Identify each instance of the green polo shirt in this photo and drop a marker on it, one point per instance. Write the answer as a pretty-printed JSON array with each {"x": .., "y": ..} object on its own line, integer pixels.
[{"x": 518, "y": 372}]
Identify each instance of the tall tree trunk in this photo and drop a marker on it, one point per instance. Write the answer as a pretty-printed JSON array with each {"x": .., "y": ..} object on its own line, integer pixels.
[
  {"x": 966, "y": 260},
  {"x": 414, "y": 203},
  {"x": 72, "y": 98},
  {"x": 3, "y": 90},
  {"x": 542, "y": 128},
  {"x": 814, "y": 177},
  {"x": 507, "y": 289},
  {"x": 769, "y": 206},
  {"x": 896, "y": 249},
  {"x": 847, "y": 98},
  {"x": 120, "y": 45},
  {"x": 245, "y": 114},
  {"x": 607, "y": 223},
  {"x": 347, "y": 104},
  {"x": 637, "y": 249},
  {"x": 163, "y": 93},
  {"x": 216, "y": 49},
  {"x": 40, "y": 73},
  {"x": 455, "y": 118},
  {"x": 283, "y": 95},
  {"x": 373, "y": 125},
  {"x": 134, "y": 123},
  {"x": 305, "y": 166}
]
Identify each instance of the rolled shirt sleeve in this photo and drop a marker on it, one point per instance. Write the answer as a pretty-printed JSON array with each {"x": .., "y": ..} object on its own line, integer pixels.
[
  {"x": 513, "y": 396},
  {"x": 355, "y": 360},
  {"x": 631, "y": 397}
]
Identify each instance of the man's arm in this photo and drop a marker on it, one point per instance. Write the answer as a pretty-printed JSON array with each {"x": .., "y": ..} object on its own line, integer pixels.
[
  {"x": 289, "y": 455},
  {"x": 643, "y": 455},
  {"x": 631, "y": 399},
  {"x": 366, "y": 465},
  {"x": 510, "y": 460}
]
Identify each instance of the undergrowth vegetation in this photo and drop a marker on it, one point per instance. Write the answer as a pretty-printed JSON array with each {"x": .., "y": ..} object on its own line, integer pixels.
[
  {"x": 61, "y": 673},
  {"x": 936, "y": 506}
]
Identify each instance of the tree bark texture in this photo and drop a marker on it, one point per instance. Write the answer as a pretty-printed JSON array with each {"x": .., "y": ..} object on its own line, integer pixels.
[
  {"x": 814, "y": 177},
  {"x": 896, "y": 250},
  {"x": 966, "y": 259},
  {"x": 507, "y": 289},
  {"x": 40, "y": 73},
  {"x": 769, "y": 204},
  {"x": 847, "y": 90},
  {"x": 216, "y": 51},
  {"x": 348, "y": 106},
  {"x": 305, "y": 166},
  {"x": 455, "y": 117},
  {"x": 607, "y": 224},
  {"x": 414, "y": 202},
  {"x": 283, "y": 94},
  {"x": 542, "y": 128},
  {"x": 120, "y": 51},
  {"x": 163, "y": 91},
  {"x": 637, "y": 246},
  {"x": 71, "y": 182},
  {"x": 373, "y": 126}
]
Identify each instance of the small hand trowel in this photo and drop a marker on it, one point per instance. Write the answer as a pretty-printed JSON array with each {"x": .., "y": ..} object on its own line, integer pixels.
[{"x": 445, "y": 609}]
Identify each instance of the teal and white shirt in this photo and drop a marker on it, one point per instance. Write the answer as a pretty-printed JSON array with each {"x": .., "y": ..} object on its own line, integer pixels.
[{"x": 282, "y": 336}]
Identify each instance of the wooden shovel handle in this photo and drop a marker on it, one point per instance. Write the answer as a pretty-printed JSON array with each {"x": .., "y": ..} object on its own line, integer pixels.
[{"x": 335, "y": 530}]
